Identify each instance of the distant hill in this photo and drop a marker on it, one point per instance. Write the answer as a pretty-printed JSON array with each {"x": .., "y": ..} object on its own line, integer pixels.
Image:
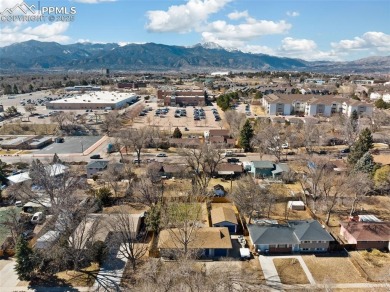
[{"x": 35, "y": 55}]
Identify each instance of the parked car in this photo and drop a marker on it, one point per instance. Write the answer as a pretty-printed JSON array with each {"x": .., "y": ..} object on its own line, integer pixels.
[
  {"x": 161, "y": 155},
  {"x": 28, "y": 234},
  {"x": 37, "y": 218},
  {"x": 346, "y": 150},
  {"x": 95, "y": 156}
]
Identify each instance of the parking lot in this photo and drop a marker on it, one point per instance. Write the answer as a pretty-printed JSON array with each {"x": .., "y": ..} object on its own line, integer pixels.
[
  {"x": 188, "y": 119},
  {"x": 71, "y": 145}
]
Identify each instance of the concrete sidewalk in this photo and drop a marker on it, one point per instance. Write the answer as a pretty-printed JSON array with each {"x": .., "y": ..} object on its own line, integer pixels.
[{"x": 270, "y": 274}]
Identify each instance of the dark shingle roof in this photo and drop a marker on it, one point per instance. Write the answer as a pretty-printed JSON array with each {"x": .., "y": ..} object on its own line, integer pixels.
[
  {"x": 263, "y": 164},
  {"x": 97, "y": 164},
  {"x": 310, "y": 230},
  {"x": 272, "y": 234},
  {"x": 292, "y": 233}
]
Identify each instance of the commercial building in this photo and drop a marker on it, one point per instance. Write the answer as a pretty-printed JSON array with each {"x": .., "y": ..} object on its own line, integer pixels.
[
  {"x": 83, "y": 88},
  {"x": 94, "y": 100},
  {"x": 182, "y": 97}
]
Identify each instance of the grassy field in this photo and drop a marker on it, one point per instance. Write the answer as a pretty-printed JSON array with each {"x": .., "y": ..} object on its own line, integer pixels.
[
  {"x": 28, "y": 129},
  {"x": 333, "y": 270},
  {"x": 290, "y": 271}
]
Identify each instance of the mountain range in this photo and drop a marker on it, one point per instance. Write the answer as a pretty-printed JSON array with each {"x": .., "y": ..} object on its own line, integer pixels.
[{"x": 37, "y": 56}]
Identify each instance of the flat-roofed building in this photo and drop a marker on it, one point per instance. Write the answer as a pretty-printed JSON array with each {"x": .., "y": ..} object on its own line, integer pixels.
[
  {"x": 182, "y": 97},
  {"x": 83, "y": 88},
  {"x": 94, "y": 100},
  {"x": 17, "y": 143}
]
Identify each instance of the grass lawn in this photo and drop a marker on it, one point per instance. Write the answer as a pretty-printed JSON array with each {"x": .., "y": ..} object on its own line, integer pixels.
[
  {"x": 79, "y": 278},
  {"x": 290, "y": 271},
  {"x": 4, "y": 232},
  {"x": 8, "y": 152},
  {"x": 333, "y": 270},
  {"x": 28, "y": 129}
]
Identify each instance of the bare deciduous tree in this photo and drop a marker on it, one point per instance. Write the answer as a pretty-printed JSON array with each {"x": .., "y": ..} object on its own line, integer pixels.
[
  {"x": 131, "y": 245},
  {"x": 235, "y": 120},
  {"x": 203, "y": 164},
  {"x": 136, "y": 140},
  {"x": 111, "y": 122},
  {"x": 250, "y": 198},
  {"x": 60, "y": 119},
  {"x": 182, "y": 221}
]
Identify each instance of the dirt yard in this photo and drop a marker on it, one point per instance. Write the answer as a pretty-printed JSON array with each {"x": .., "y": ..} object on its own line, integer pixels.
[
  {"x": 333, "y": 270},
  {"x": 290, "y": 271},
  {"x": 375, "y": 264}
]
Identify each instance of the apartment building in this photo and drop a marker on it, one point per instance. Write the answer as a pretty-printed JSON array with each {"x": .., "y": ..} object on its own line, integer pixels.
[{"x": 310, "y": 105}]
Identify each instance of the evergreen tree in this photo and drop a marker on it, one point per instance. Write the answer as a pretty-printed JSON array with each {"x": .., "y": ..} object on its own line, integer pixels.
[
  {"x": 354, "y": 120},
  {"x": 177, "y": 133},
  {"x": 56, "y": 159},
  {"x": 4, "y": 167},
  {"x": 246, "y": 136},
  {"x": 24, "y": 260},
  {"x": 15, "y": 91},
  {"x": 365, "y": 164},
  {"x": 361, "y": 146}
]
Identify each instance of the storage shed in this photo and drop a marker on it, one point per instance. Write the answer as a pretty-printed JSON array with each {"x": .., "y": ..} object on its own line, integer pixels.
[{"x": 296, "y": 205}]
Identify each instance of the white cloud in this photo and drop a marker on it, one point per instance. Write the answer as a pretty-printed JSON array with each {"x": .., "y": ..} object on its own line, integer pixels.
[
  {"x": 304, "y": 49},
  {"x": 258, "y": 49},
  {"x": 292, "y": 13},
  {"x": 93, "y": 1},
  {"x": 183, "y": 18},
  {"x": 369, "y": 40},
  {"x": 44, "y": 32},
  {"x": 224, "y": 34},
  {"x": 290, "y": 44},
  {"x": 237, "y": 15}
]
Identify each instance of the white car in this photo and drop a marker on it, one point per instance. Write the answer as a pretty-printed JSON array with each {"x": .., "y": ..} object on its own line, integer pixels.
[{"x": 161, "y": 155}]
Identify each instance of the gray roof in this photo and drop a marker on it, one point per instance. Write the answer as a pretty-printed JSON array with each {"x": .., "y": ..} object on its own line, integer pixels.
[
  {"x": 263, "y": 164},
  {"x": 97, "y": 164},
  {"x": 292, "y": 233},
  {"x": 272, "y": 234},
  {"x": 310, "y": 230},
  {"x": 280, "y": 167}
]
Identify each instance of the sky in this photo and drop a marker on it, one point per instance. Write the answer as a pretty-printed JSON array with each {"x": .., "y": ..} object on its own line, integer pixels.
[{"x": 311, "y": 30}]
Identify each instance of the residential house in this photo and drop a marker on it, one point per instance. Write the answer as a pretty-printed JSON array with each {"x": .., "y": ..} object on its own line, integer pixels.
[
  {"x": 367, "y": 235},
  {"x": 53, "y": 170},
  {"x": 263, "y": 168},
  {"x": 229, "y": 170},
  {"x": 169, "y": 170},
  {"x": 97, "y": 227},
  {"x": 295, "y": 236},
  {"x": 95, "y": 167},
  {"x": 224, "y": 217},
  {"x": 206, "y": 241}
]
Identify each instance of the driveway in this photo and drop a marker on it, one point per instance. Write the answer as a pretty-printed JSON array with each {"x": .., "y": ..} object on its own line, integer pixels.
[
  {"x": 270, "y": 274},
  {"x": 110, "y": 274},
  {"x": 8, "y": 277}
]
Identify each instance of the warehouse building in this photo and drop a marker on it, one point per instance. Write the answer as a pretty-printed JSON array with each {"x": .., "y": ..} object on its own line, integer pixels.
[{"x": 94, "y": 100}]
